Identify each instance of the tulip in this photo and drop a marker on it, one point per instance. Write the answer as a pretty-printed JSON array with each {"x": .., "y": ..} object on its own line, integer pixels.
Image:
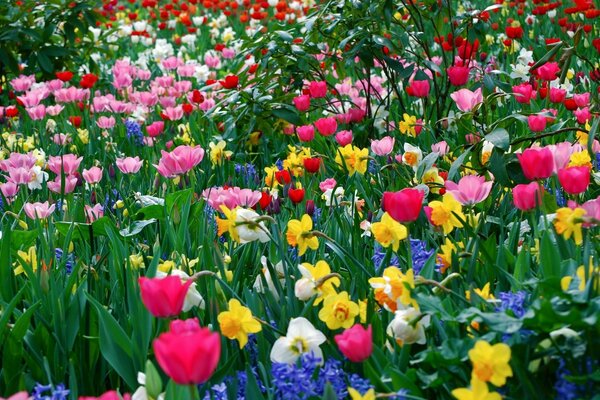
[
  {"x": 317, "y": 89},
  {"x": 67, "y": 163},
  {"x": 458, "y": 75},
  {"x": 536, "y": 163},
  {"x": 343, "y": 138},
  {"x": 527, "y": 197},
  {"x": 557, "y": 95},
  {"x": 582, "y": 115},
  {"x": 93, "y": 175},
  {"x": 180, "y": 161},
  {"x": 561, "y": 153},
  {"x": 312, "y": 165},
  {"x": 405, "y": 205},
  {"x": 110, "y": 395},
  {"x": 302, "y": 102},
  {"x": 471, "y": 189},
  {"x": 537, "y": 123},
  {"x": 467, "y": 100},
  {"x": 524, "y": 93},
  {"x": 129, "y": 165},
  {"x": 106, "y": 122},
  {"x": 155, "y": 128},
  {"x": 56, "y": 185},
  {"x": 383, "y": 147},
  {"x": 230, "y": 82},
  {"x": 18, "y": 396},
  {"x": 418, "y": 89},
  {"x": 326, "y": 126},
  {"x": 356, "y": 343},
  {"x": 188, "y": 353},
  {"x": 40, "y": 210},
  {"x": 306, "y": 133},
  {"x": 582, "y": 100},
  {"x": 574, "y": 180},
  {"x": 548, "y": 71},
  {"x": 164, "y": 297},
  {"x": 296, "y": 195}
]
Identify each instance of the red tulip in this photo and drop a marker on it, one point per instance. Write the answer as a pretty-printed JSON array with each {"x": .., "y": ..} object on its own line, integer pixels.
[
  {"x": 188, "y": 353},
  {"x": 64, "y": 76},
  {"x": 312, "y": 165},
  {"x": 356, "y": 343},
  {"x": 164, "y": 297},
  {"x": 230, "y": 82},
  {"x": 296, "y": 195},
  {"x": 458, "y": 75},
  {"x": 405, "y": 205},
  {"x": 527, "y": 197},
  {"x": 536, "y": 163},
  {"x": 574, "y": 180},
  {"x": 418, "y": 89}
]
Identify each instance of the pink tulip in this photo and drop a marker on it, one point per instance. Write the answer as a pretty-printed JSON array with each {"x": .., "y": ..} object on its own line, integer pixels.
[
  {"x": 557, "y": 95},
  {"x": 317, "y": 89},
  {"x": 54, "y": 110},
  {"x": 17, "y": 396},
  {"x": 129, "y": 165},
  {"x": 56, "y": 185},
  {"x": 343, "y": 138},
  {"x": 592, "y": 212},
  {"x": 155, "y": 128},
  {"x": 67, "y": 163},
  {"x": 306, "y": 133},
  {"x": 36, "y": 113},
  {"x": 188, "y": 353},
  {"x": 523, "y": 93},
  {"x": 105, "y": 122},
  {"x": 356, "y": 343},
  {"x": 470, "y": 190},
  {"x": 22, "y": 83},
  {"x": 467, "y": 100},
  {"x": 548, "y": 71},
  {"x": 527, "y": 197},
  {"x": 93, "y": 213},
  {"x": 39, "y": 210},
  {"x": 582, "y": 100},
  {"x": 418, "y": 88},
  {"x": 327, "y": 184},
  {"x": 302, "y": 102},
  {"x": 173, "y": 113},
  {"x": 384, "y": 146},
  {"x": 20, "y": 176},
  {"x": 583, "y": 115},
  {"x": 180, "y": 161},
  {"x": 574, "y": 180},
  {"x": 110, "y": 395},
  {"x": 326, "y": 126},
  {"x": 18, "y": 160},
  {"x": 561, "y": 153},
  {"x": 537, "y": 123},
  {"x": 164, "y": 297},
  {"x": 9, "y": 190},
  {"x": 536, "y": 163},
  {"x": 441, "y": 148},
  {"x": 458, "y": 75},
  {"x": 93, "y": 175}
]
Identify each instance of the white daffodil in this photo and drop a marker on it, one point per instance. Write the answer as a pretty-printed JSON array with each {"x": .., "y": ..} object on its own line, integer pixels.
[
  {"x": 258, "y": 283},
  {"x": 404, "y": 331},
  {"x": 302, "y": 338},
  {"x": 248, "y": 229},
  {"x": 37, "y": 178}
]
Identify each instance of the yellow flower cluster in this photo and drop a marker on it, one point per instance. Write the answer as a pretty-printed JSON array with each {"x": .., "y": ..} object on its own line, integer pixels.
[{"x": 352, "y": 159}]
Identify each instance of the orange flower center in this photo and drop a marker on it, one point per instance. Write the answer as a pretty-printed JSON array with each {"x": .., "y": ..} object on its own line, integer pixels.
[
  {"x": 341, "y": 311},
  {"x": 483, "y": 371}
]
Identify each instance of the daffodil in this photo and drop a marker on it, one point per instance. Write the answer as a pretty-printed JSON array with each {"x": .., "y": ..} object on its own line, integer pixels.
[
  {"x": 407, "y": 125},
  {"x": 389, "y": 232},
  {"x": 338, "y": 311},
  {"x": 29, "y": 258},
  {"x": 490, "y": 363},
  {"x": 301, "y": 338},
  {"x": 238, "y": 322},
  {"x": 484, "y": 293},
  {"x": 218, "y": 152},
  {"x": 355, "y": 394},
  {"x": 445, "y": 213},
  {"x": 312, "y": 282},
  {"x": 479, "y": 391},
  {"x": 568, "y": 223},
  {"x": 227, "y": 224},
  {"x": 352, "y": 159},
  {"x": 580, "y": 274},
  {"x": 394, "y": 288},
  {"x": 299, "y": 233},
  {"x": 580, "y": 159},
  {"x": 412, "y": 155}
]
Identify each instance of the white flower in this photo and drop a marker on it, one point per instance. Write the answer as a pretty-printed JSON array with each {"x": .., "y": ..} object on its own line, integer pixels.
[
  {"x": 305, "y": 287},
  {"x": 37, "y": 178},
  {"x": 302, "y": 338},
  {"x": 193, "y": 298},
  {"x": 140, "y": 393},
  {"x": 404, "y": 331},
  {"x": 525, "y": 57},
  {"x": 333, "y": 197},
  {"x": 412, "y": 155},
  {"x": 258, "y": 282},
  {"x": 247, "y": 228},
  {"x": 520, "y": 71}
]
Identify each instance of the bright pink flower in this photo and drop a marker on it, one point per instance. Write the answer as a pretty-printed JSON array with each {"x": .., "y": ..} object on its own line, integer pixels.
[
  {"x": 173, "y": 113},
  {"x": 317, "y": 89},
  {"x": 164, "y": 297},
  {"x": 343, "y": 138},
  {"x": 67, "y": 163},
  {"x": 418, "y": 88},
  {"x": 561, "y": 153},
  {"x": 56, "y": 185},
  {"x": 523, "y": 93},
  {"x": 22, "y": 83},
  {"x": 404, "y": 205},
  {"x": 20, "y": 176},
  {"x": 155, "y": 128},
  {"x": 527, "y": 197},
  {"x": 467, "y": 100},
  {"x": 582, "y": 100},
  {"x": 93, "y": 175},
  {"x": 18, "y": 160},
  {"x": 537, "y": 123},
  {"x": 536, "y": 163},
  {"x": 93, "y": 213},
  {"x": 39, "y": 210},
  {"x": 54, "y": 110},
  {"x": 18, "y": 396},
  {"x": 384, "y": 146},
  {"x": 302, "y": 102},
  {"x": 180, "y": 161},
  {"x": 356, "y": 343},
  {"x": 557, "y": 95},
  {"x": 326, "y": 126},
  {"x": 548, "y": 71},
  {"x": 306, "y": 133},
  {"x": 458, "y": 75},
  {"x": 188, "y": 353},
  {"x": 9, "y": 190},
  {"x": 574, "y": 180},
  {"x": 471, "y": 189},
  {"x": 583, "y": 115},
  {"x": 110, "y": 395},
  {"x": 61, "y": 139},
  {"x": 592, "y": 212},
  {"x": 106, "y": 122},
  {"x": 231, "y": 197},
  {"x": 327, "y": 184},
  {"x": 129, "y": 165}
]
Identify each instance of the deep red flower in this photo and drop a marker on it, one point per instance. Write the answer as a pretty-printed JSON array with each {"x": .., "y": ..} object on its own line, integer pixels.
[
  {"x": 64, "y": 76},
  {"x": 296, "y": 195},
  {"x": 88, "y": 81},
  {"x": 312, "y": 165}
]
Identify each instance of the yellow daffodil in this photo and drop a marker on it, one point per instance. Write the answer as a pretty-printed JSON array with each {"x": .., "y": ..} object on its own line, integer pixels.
[
  {"x": 580, "y": 159},
  {"x": 479, "y": 391},
  {"x": 136, "y": 261},
  {"x": 227, "y": 224},
  {"x": 311, "y": 282},
  {"x": 353, "y": 159},
  {"x": 299, "y": 233},
  {"x": 338, "y": 311},
  {"x": 295, "y": 160},
  {"x": 407, "y": 125},
  {"x": 238, "y": 322},
  {"x": 592, "y": 273},
  {"x": 445, "y": 213},
  {"x": 355, "y": 394},
  {"x": 166, "y": 266},
  {"x": 568, "y": 223},
  {"x": 394, "y": 288},
  {"x": 29, "y": 258},
  {"x": 490, "y": 363},
  {"x": 445, "y": 257},
  {"x": 484, "y": 293},
  {"x": 270, "y": 180},
  {"x": 389, "y": 232},
  {"x": 218, "y": 152},
  {"x": 432, "y": 178}
]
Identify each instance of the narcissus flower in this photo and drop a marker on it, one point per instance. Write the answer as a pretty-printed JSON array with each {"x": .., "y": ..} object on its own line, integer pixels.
[
  {"x": 408, "y": 326},
  {"x": 218, "y": 152},
  {"x": 300, "y": 234},
  {"x": 445, "y": 213},
  {"x": 389, "y": 232},
  {"x": 338, "y": 311},
  {"x": 568, "y": 223},
  {"x": 301, "y": 338},
  {"x": 479, "y": 391},
  {"x": 238, "y": 322},
  {"x": 393, "y": 289},
  {"x": 355, "y": 394},
  {"x": 353, "y": 159},
  {"x": 312, "y": 282},
  {"x": 490, "y": 363},
  {"x": 242, "y": 224}
]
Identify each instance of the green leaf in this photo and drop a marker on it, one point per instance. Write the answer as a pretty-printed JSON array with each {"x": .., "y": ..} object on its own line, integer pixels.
[
  {"x": 45, "y": 62},
  {"x": 549, "y": 257},
  {"x": 499, "y": 137},
  {"x": 591, "y": 136},
  {"x": 456, "y": 164},
  {"x": 288, "y": 114},
  {"x": 136, "y": 227},
  {"x": 426, "y": 164}
]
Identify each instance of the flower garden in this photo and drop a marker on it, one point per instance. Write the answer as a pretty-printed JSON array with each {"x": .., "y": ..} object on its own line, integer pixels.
[{"x": 299, "y": 199}]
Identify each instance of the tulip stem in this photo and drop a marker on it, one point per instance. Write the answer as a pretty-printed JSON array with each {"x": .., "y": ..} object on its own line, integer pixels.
[{"x": 193, "y": 392}]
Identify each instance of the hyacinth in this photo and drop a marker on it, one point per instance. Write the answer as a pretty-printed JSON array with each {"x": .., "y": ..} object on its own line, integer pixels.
[
  {"x": 514, "y": 302},
  {"x": 420, "y": 255},
  {"x": 48, "y": 392},
  {"x": 134, "y": 132}
]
